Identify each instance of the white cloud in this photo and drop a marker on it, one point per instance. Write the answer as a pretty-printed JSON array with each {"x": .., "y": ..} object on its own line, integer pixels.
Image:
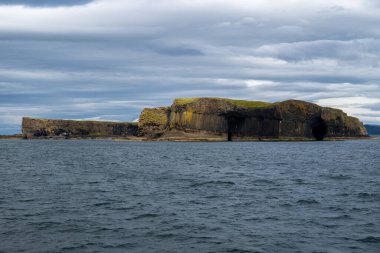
[
  {"x": 32, "y": 75},
  {"x": 351, "y": 101},
  {"x": 10, "y": 120},
  {"x": 256, "y": 83}
]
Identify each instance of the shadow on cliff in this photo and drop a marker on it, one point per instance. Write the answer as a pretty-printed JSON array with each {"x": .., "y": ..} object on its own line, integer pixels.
[
  {"x": 234, "y": 125},
  {"x": 319, "y": 129}
]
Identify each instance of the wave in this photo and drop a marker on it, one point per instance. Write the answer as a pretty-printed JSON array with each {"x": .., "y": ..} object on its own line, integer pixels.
[
  {"x": 370, "y": 239},
  {"x": 366, "y": 195},
  {"x": 307, "y": 201},
  {"x": 216, "y": 182},
  {"x": 143, "y": 216},
  {"x": 340, "y": 177}
]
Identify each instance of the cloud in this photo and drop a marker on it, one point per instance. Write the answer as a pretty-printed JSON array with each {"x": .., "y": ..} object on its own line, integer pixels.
[
  {"x": 348, "y": 101},
  {"x": 178, "y": 51},
  {"x": 108, "y": 59},
  {"x": 353, "y": 50},
  {"x": 44, "y": 2}
]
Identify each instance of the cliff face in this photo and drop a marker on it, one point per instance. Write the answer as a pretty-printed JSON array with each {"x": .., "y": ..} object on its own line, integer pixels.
[
  {"x": 153, "y": 122},
  {"x": 43, "y": 128},
  {"x": 237, "y": 119},
  {"x": 213, "y": 118}
]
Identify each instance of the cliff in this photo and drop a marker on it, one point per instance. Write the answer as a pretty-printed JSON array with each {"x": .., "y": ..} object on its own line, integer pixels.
[
  {"x": 213, "y": 119},
  {"x": 54, "y": 128},
  {"x": 249, "y": 120},
  {"x": 153, "y": 122}
]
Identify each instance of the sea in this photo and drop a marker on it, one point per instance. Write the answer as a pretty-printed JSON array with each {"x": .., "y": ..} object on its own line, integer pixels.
[{"x": 108, "y": 196}]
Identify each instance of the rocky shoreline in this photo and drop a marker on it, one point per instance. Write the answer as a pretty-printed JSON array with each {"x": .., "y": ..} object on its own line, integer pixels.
[
  {"x": 185, "y": 139},
  {"x": 12, "y": 137}
]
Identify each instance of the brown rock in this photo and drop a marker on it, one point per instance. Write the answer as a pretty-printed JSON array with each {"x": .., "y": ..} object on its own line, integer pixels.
[
  {"x": 236, "y": 119},
  {"x": 47, "y": 128},
  {"x": 213, "y": 119}
]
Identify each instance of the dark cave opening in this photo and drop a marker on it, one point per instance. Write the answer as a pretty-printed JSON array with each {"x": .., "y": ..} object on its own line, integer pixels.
[
  {"x": 319, "y": 129},
  {"x": 234, "y": 124},
  {"x": 229, "y": 138}
]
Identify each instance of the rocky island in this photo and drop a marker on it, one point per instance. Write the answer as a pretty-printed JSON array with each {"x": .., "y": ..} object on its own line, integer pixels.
[{"x": 212, "y": 119}]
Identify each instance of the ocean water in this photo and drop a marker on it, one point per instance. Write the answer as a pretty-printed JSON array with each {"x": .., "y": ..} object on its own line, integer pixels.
[{"x": 104, "y": 196}]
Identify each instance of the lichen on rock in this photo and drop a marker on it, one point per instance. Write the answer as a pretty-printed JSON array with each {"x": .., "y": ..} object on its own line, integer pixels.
[{"x": 153, "y": 121}]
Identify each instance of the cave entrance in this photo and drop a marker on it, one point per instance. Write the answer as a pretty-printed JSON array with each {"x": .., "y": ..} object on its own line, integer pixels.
[
  {"x": 234, "y": 124},
  {"x": 319, "y": 129}
]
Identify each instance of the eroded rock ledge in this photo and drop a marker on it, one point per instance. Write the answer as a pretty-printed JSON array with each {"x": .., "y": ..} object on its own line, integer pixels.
[
  {"x": 213, "y": 119},
  {"x": 55, "y": 128}
]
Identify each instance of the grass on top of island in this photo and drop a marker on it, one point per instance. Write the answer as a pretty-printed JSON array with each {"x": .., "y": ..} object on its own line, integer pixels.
[{"x": 241, "y": 103}]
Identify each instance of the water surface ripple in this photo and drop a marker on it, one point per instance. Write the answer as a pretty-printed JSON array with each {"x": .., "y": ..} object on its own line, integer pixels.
[{"x": 103, "y": 196}]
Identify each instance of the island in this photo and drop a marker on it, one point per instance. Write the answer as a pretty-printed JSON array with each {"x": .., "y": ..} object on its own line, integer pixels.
[{"x": 212, "y": 119}]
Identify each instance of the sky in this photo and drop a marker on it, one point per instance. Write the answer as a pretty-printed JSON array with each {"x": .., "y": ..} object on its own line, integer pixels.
[{"x": 108, "y": 59}]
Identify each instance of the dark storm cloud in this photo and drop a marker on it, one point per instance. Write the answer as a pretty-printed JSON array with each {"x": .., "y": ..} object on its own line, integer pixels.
[{"x": 110, "y": 58}]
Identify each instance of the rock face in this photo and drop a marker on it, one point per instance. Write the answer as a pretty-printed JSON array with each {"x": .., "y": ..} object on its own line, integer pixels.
[
  {"x": 213, "y": 119},
  {"x": 236, "y": 119},
  {"x": 153, "y": 122},
  {"x": 45, "y": 128}
]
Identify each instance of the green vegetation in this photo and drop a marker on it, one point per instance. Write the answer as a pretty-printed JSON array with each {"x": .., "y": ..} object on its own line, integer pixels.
[
  {"x": 248, "y": 103},
  {"x": 153, "y": 116},
  {"x": 183, "y": 101},
  {"x": 241, "y": 103}
]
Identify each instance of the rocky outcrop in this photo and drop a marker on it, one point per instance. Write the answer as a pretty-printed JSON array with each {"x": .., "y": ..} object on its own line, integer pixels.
[
  {"x": 153, "y": 122},
  {"x": 248, "y": 120},
  {"x": 213, "y": 119},
  {"x": 52, "y": 128}
]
